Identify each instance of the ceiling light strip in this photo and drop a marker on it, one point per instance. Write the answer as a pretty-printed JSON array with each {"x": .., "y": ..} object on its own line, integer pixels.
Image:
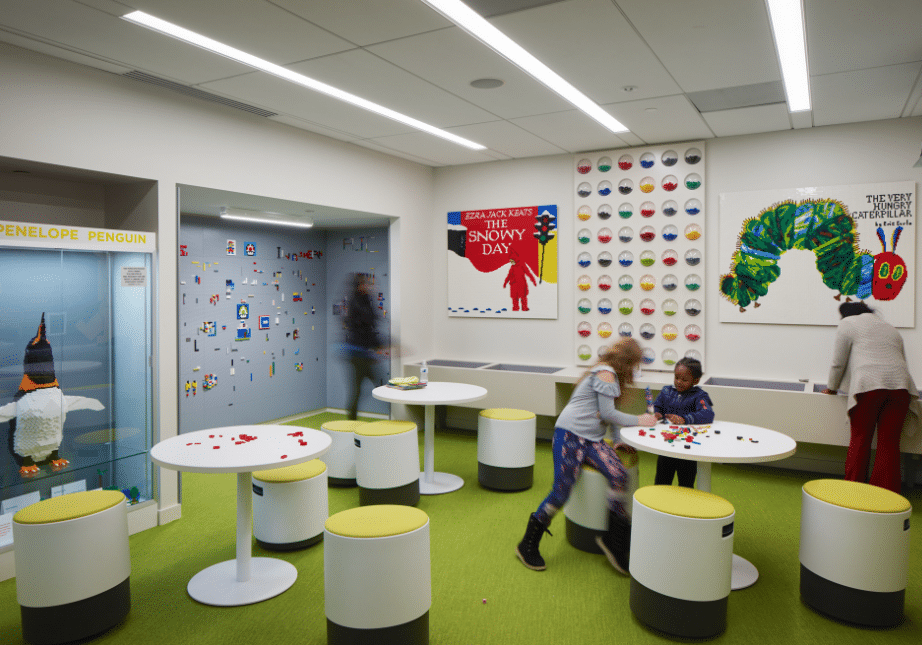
[
  {"x": 260, "y": 220},
  {"x": 180, "y": 33},
  {"x": 471, "y": 22},
  {"x": 787, "y": 18}
]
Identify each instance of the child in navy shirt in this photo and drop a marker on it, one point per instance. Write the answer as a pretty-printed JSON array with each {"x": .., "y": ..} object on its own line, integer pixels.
[{"x": 683, "y": 403}]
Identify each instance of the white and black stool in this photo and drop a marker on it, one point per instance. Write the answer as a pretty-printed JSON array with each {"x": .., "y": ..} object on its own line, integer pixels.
[
  {"x": 681, "y": 560},
  {"x": 377, "y": 576},
  {"x": 506, "y": 448},
  {"x": 290, "y": 506},
  {"x": 854, "y": 551},
  {"x": 387, "y": 463},
  {"x": 72, "y": 566},
  {"x": 340, "y": 459}
]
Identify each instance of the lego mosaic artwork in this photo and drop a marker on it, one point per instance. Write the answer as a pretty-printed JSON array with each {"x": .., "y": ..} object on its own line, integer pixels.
[
  {"x": 639, "y": 247},
  {"x": 502, "y": 263},
  {"x": 795, "y": 254}
]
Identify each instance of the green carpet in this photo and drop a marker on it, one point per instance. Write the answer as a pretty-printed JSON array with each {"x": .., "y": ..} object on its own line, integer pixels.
[{"x": 481, "y": 594}]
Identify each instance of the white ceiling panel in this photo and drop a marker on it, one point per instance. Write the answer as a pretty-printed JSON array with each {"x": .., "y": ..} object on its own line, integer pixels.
[
  {"x": 508, "y": 139},
  {"x": 748, "y": 120},
  {"x": 589, "y": 43},
  {"x": 710, "y": 44},
  {"x": 377, "y": 80},
  {"x": 669, "y": 118},
  {"x": 263, "y": 89},
  {"x": 451, "y": 59},
  {"x": 313, "y": 127},
  {"x": 231, "y": 22},
  {"x": 84, "y": 29},
  {"x": 365, "y": 22},
  {"x": 571, "y": 130},
  {"x": 863, "y": 95},
  {"x": 439, "y": 150},
  {"x": 860, "y": 34}
]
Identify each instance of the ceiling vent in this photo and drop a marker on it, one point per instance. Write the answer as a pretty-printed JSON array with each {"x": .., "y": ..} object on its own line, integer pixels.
[
  {"x": 197, "y": 93},
  {"x": 730, "y": 98}
]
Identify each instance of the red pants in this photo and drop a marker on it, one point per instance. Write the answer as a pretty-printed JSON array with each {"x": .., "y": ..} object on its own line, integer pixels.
[{"x": 886, "y": 410}]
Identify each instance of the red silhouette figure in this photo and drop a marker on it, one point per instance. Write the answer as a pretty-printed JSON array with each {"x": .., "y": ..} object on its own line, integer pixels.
[{"x": 516, "y": 279}]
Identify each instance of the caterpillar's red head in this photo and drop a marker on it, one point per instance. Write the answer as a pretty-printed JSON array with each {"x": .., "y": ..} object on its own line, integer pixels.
[{"x": 889, "y": 268}]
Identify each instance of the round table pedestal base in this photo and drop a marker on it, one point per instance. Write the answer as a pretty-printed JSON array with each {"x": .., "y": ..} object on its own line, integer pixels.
[
  {"x": 744, "y": 573},
  {"x": 441, "y": 483},
  {"x": 217, "y": 585}
]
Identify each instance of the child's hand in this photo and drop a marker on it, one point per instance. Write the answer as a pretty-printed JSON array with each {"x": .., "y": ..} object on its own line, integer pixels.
[
  {"x": 658, "y": 415},
  {"x": 646, "y": 420},
  {"x": 675, "y": 418}
]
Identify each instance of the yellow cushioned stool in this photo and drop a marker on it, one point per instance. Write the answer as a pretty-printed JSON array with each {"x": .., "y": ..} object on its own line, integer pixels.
[
  {"x": 586, "y": 511},
  {"x": 340, "y": 459},
  {"x": 681, "y": 560},
  {"x": 377, "y": 576},
  {"x": 387, "y": 463},
  {"x": 854, "y": 551},
  {"x": 290, "y": 506},
  {"x": 72, "y": 566},
  {"x": 506, "y": 448}
]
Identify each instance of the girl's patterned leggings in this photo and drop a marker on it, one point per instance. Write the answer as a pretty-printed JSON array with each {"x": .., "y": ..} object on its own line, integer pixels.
[{"x": 570, "y": 452}]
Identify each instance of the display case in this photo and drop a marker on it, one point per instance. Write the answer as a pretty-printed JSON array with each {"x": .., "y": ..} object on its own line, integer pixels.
[{"x": 75, "y": 362}]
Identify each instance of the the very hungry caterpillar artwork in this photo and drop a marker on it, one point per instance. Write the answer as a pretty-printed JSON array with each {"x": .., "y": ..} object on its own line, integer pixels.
[{"x": 825, "y": 227}]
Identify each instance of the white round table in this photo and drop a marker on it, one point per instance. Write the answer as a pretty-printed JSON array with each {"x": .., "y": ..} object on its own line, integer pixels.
[
  {"x": 435, "y": 393},
  {"x": 242, "y": 450},
  {"x": 720, "y": 442}
]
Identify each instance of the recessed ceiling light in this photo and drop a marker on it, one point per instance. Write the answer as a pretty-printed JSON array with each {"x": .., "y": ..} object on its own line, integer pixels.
[
  {"x": 487, "y": 83},
  {"x": 787, "y": 18},
  {"x": 474, "y": 24},
  {"x": 180, "y": 33}
]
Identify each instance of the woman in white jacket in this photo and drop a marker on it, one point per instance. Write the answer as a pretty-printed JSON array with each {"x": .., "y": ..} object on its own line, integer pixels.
[{"x": 868, "y": 355}]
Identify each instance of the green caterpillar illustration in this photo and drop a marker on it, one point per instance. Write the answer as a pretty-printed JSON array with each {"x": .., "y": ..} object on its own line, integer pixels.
[{"x": 825, "y": 227}]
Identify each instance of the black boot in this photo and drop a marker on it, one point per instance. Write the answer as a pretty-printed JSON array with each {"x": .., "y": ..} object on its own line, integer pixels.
[
  {"x": 527, "y": 550},
  {"x": 616, "y": 543}
]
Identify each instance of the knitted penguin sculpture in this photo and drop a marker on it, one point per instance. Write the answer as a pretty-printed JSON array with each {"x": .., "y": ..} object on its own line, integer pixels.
[{"x": 38, "y": 410}]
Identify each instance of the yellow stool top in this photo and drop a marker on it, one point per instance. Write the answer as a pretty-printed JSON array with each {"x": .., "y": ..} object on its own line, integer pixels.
[
  {"x": 69, "y": 507},
  {"x": 382, "y": 428},
  {"x": 106, "y": 436},
  {"x": 296, "y": 473},
  {"x": 857, "y": 496},
  {"x": 380, "y": 520},
  {"x": 507, "y": 414},
  {"x": 684, "y": 502},
  {"x": 341, "y": 425}
]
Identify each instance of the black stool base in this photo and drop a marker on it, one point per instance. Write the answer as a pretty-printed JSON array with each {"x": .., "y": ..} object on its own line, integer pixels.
[
  {"x": 76, "y": 620},
  {"x": 341, "y": 482},
  {"x": 582, "y": 537},
  {"x": 685, "y": 618},
  {"x": 415, "y": 632},
  {"x": 869, "y": 608},
  {"x": 406, "y": 495},
  {"x": 290, "y": 546},
  {"x": 505, "y": 479}
]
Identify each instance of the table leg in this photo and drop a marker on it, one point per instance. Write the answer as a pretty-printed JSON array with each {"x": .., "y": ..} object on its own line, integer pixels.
[
  {"x": 244, "y": 580},
  {"x": 433, "y": 483},
  {"x": 744, "y": 573}
]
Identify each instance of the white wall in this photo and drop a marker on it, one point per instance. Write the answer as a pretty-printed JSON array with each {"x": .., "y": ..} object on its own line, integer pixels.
[
  {"x": 880, "y": 151},
  {"x": 57, "y": 112}
]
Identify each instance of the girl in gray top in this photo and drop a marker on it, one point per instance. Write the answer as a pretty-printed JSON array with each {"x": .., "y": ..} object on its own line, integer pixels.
[
  {"x": 578, "y": 439},
  {"x": 869, "y": 358}
]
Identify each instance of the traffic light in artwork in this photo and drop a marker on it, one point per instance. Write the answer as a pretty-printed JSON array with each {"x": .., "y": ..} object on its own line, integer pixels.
[{"x": 545, "y": 225}]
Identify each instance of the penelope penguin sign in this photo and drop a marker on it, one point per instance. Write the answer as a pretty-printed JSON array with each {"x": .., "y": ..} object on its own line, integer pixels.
[{"x": 39, "y": 408}]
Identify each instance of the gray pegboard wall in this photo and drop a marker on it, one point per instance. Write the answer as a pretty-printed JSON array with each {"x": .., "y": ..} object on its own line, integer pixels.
[{"x": 270, "y": 363}]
